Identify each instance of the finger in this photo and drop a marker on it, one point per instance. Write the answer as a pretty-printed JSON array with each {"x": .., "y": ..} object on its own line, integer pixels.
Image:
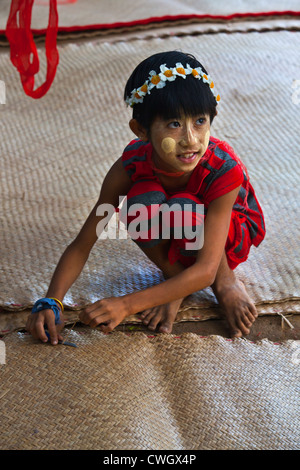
[
  {"x": 103, "y": 318},
  {"x": 84, "y": 317},
  {"x": 46, "y": 317},
  {"x": 39, "y": 331},
  {"x": 92, "y": 307},
  {"x": 53, "y": 333},
  {"x": 107, "y": 327},
  {"x": 35, "y": 335},
  {"x": 88, "y": 318},
  {"x": 30, "y": 326}
]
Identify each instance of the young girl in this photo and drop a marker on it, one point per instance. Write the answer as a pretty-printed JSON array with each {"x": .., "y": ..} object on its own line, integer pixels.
[{"x": 173, "y": 160}]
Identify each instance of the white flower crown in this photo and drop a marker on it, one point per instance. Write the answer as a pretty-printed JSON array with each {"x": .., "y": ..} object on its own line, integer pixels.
[{"x": 159, "y": 80}]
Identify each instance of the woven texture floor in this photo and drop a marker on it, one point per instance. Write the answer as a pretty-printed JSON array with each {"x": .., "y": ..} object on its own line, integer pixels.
[
  {"x": 56, "y": 151},
  {"x": 139, "y": 393}
]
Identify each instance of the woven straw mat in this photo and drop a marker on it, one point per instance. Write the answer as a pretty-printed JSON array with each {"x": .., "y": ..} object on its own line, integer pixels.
[
  {"x": 129, "y": 392},
  {"x": 88, "y": 12},
  {"x": 119, "y": 20},
  {"x": 56, "y": 151}
]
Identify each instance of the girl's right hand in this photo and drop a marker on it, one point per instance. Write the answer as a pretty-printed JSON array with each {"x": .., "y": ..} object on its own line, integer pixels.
[{"x": 36, "y": 326}]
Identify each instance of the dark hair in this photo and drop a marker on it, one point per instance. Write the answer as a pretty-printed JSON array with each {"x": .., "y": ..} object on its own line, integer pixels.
[{"x": 176, "y": 97}]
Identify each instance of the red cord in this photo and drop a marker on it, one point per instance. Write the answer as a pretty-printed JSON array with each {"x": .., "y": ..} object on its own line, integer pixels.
[{"x": 23, "y": 52}]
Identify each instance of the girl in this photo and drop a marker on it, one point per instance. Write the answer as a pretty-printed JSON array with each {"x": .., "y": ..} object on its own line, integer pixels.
[{"x": 173, "y": 160}]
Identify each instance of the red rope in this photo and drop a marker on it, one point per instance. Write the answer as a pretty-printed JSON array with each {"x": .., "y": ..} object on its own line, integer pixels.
[
  {"x": 171, "y": 18},
  {"x": 23, "y": 52}
]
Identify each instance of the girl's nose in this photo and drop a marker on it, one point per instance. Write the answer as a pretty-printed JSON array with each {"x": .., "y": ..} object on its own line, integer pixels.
[{"x": 189, "y": 137}]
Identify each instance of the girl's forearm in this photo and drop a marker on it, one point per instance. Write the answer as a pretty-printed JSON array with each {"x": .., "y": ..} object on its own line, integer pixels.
[
  {"x": 67, "y": 271},
  {"x": 183, "y": 284}
]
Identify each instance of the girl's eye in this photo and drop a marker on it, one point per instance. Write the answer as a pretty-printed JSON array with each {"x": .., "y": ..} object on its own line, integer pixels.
[
  {"x": 201, "y": 120},
  {"x": 174, "y": 124}
]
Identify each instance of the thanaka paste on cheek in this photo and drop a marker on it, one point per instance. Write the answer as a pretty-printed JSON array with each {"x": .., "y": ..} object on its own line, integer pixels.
[
  {"x": 168, "y": 145},
  {"x": 206, "y": 139}
]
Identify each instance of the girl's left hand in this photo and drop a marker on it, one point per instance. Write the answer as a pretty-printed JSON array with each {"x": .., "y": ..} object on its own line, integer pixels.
[{"x": 107, "y": 312}]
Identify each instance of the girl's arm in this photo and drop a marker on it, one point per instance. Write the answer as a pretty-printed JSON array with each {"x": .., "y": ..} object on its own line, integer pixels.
[
  {"x": 198, "y": 276},
  {"x": 116, "y": 183}
]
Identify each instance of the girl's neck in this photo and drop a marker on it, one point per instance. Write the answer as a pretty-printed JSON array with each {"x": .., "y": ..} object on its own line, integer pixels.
[
  {"x": 171, "y": 183},
  {"x": 157, "y": 168}
]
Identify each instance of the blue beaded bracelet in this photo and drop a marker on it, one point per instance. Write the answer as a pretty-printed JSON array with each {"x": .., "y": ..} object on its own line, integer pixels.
[{"x": 43, "y": 304}]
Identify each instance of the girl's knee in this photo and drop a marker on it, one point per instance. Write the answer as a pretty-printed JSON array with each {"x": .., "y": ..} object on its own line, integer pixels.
[
  {"x": 141, "y": 212},
  {"x": 146, "y": 192},
  {"x": 150, "y": 215},
  {"x": 185, "y": 216}
]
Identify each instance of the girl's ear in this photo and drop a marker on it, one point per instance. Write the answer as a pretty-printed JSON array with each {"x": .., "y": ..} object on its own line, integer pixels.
[
  {"x": 213, "y": 117},
  {"x": 138, "y": 130}
]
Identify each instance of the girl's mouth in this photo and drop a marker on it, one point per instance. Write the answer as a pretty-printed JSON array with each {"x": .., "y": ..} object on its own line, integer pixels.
[{"x": 187, "y": 157}]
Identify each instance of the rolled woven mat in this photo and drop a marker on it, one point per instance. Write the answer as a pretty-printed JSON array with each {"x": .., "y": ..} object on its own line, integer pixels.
[
  {"x": 85, "y": 13},
  {"x": 56, "y": 151},
  {"x": 149, "y": 393}
]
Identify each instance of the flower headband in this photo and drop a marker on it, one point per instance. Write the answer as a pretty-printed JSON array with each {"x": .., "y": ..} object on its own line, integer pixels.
[{"x": 168, "y": 75}]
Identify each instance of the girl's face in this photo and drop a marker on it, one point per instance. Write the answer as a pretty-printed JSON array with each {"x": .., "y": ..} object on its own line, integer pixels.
[{"x": 179, "y": 144}]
